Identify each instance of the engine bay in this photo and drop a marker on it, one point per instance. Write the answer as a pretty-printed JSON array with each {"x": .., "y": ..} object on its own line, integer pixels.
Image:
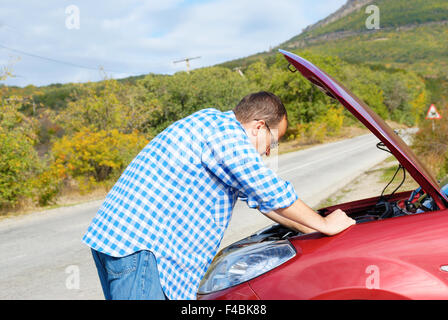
[
  {"x": 367, "y": 210},
  {"x": 418, "y": 202},
  {"x": 384, "y": 207}
]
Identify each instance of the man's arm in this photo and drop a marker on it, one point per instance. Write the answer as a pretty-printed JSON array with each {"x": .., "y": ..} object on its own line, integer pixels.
[
  {"x": 288, "y": 222},
  {"x": 301, "y": 214},
  {"x": 234, "y": 160}
]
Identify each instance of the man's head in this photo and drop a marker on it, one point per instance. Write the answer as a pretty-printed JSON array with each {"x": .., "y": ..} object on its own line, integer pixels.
[{"x": 264, "y": 118}]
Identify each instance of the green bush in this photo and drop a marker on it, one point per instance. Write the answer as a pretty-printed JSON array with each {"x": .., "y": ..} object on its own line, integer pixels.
[
  {"x": 92, "y": 157},
  {"x": 47, "y": 185},
  {"x": 19, "y": 163},
  {"x": 333, "y": 120}
]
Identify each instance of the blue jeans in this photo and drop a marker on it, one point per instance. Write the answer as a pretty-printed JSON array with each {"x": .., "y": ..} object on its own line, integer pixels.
[{"x": 133, "y": 277}]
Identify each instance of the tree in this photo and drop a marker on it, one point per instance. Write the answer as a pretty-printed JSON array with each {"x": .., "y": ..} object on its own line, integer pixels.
[
  {"x": 19, "y": 162},
  {"x": 177, "y": 96}
]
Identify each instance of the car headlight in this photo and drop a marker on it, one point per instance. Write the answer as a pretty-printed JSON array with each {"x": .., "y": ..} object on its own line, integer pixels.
[{"x": 244, "y": 263}]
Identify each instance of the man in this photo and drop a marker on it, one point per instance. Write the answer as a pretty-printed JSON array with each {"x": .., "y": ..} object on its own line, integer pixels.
[{"x": 161, "y": 224}]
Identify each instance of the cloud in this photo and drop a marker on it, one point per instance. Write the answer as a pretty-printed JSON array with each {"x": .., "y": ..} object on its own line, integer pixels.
[{"x": 137, "y": 37}]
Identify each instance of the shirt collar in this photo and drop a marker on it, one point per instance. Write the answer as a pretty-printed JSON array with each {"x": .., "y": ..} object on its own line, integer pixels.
[{"x": 231, "y": 114}]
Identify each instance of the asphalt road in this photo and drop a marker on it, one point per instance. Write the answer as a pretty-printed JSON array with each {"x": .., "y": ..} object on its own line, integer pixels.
[{"x": 42, "y": 256}]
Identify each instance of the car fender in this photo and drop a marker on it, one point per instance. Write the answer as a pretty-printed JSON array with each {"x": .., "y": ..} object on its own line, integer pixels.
[
  {"x": 359, "y": 294},
  {"x": 357, "y": 272}
]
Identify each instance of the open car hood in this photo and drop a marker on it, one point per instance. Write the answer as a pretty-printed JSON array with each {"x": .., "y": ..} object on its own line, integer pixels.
[{"x": 373, "y": 122}]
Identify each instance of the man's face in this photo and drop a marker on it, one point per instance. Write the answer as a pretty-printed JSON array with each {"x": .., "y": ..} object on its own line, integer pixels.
[{"x": 263, "y": 136}]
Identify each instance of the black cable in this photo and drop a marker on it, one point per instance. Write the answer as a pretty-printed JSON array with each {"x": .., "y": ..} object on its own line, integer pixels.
[
  {"x": 393, "y": 178},
  {"x": 402, "y": 181},
  {"x": 380, "y": 145}
]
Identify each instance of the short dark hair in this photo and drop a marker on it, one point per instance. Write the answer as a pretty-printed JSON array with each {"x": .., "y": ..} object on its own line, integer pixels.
[{"x": 261, "y": 106}]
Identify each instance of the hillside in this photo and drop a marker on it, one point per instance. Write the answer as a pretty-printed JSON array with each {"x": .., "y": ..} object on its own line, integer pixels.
[{"x": 413, "y": 35}]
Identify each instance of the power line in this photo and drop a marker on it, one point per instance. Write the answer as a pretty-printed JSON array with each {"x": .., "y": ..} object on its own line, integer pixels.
[
  {"x": 46, "y": 58},
  {"x": 56, "y": 60}
]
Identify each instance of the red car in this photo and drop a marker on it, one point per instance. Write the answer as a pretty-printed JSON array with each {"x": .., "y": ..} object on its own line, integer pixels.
[{"x": 397, "y": 250}]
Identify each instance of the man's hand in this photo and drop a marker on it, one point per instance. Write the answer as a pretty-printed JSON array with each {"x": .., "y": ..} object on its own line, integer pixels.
[
  {"x": 336, "y": 222},
  {"x": 332, "y": 224}
]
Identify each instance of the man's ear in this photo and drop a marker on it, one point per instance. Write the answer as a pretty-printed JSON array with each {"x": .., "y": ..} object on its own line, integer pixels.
[{"x": 254, "y": 130}]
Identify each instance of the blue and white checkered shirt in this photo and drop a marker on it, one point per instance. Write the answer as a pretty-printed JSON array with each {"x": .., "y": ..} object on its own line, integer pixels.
[{"x": 177, "y": 195}]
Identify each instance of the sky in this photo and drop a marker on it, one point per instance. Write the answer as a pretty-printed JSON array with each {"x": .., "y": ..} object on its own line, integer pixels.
[{"x": 60, "y": 41}]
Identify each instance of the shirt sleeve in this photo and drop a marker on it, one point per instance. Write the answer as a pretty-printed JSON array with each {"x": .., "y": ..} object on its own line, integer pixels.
[{"x": 232, "y": 158}]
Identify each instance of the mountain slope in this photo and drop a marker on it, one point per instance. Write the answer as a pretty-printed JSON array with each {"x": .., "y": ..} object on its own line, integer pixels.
[
  {"x": 393, "y": 14},
  {"x": 413, "y": 35}
]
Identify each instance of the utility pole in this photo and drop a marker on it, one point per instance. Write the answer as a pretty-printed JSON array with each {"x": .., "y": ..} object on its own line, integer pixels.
[
  {"x": 239, "y": 71},
  {"x": 187, "y": 61}
]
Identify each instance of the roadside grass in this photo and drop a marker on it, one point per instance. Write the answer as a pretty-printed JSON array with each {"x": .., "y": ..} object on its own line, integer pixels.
[
  {"x": 334, "y": 199},
  {"x": 33, "y": 209},
  {"x": 370, "y": 184},
  {"x": 68, "y": 198}
]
